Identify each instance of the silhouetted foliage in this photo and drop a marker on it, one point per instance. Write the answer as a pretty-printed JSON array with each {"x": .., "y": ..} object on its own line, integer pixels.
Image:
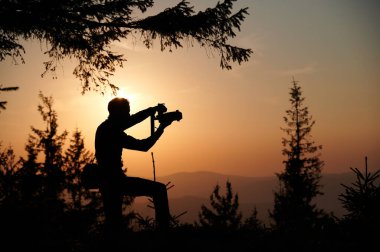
[
  {"x": 253, "y": 223},
  {"x": 224, "y": 213},
  {"x": 9, "y": 166},
  {"x": 13, "y": 212},
  {"x": 299, "y": 182},
  {"x": 35, "y": 207},
  {"x": 44, "y": 214},
  {"x": 5, "y": 89},
  {"x": 362, "y": 200},
  {"x": 76, "y": 157},
  {"x": 38, "y": 210},
  {"x": 50, "y": 143},
  {"x": 85, "y": 30},
  {"x": 30, "y": 174}
]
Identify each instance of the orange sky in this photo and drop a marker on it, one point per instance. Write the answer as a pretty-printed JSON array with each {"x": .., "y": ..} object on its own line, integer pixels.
[{"x": 231, "y": 119}]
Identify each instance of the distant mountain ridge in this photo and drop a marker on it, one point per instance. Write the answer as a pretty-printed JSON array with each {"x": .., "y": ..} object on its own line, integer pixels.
[{"x": 192, "y": 189}]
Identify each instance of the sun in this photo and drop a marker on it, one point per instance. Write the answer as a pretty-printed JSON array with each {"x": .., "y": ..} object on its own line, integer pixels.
[
  {"x": 122, "y": 93},
  {"x": 135, "y": 99}
]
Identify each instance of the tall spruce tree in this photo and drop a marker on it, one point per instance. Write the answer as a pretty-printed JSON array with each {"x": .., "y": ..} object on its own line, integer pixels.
[
  {"x": 48, "y": 142},
  {"x": 41, "y": 182},
  {"x": 299, "y": 182}
]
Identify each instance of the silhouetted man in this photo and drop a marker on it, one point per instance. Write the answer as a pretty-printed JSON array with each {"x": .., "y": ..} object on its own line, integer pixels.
[{"x": 110, "y": 140}]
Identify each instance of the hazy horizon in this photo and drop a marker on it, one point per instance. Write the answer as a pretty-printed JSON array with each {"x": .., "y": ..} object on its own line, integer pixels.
[{"x": 192, "y": 189}]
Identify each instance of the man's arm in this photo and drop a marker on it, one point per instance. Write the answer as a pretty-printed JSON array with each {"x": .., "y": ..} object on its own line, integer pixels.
[
  {"x": 143, "y": 114},
  {"x": 132, "y": 143}
]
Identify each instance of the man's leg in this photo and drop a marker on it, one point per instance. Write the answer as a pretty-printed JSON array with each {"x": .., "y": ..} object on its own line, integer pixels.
[
  {"x": 161, "y": 205},
  {"x": 112, "y": 204},
  {"x": 134, "y": 186}
]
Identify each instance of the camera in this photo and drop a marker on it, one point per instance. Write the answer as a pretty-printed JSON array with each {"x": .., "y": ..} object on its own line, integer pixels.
[
  {"x": 164, "y": 117},
  {"x": 169, "y": 117}
]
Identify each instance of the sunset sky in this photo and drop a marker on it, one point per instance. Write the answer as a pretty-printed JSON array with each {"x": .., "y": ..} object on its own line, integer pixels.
[{"x": 231, "y": 119}]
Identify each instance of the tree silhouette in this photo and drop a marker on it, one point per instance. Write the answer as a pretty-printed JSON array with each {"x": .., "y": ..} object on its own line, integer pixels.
[
  {"x": 9, "y": 196},
  {"x": 299, "y": 182},
  {"x": 85, "y": 30},
  {"x": 76, "y": 157},
  {"x": 9, "y": 166},
  {"x": 362, "y": 199},
  {"x": 224, "y": 214},
  {"x": 51, "y": 144},
  {"x": 82, "y": 207},
  {"x": 5, "y": 89},
  {"x": 42, "y": 183},
  {"x": 30, "y": 174},
  {"x": 252, "y": 223},
  {"x": 38, "y": 209}
]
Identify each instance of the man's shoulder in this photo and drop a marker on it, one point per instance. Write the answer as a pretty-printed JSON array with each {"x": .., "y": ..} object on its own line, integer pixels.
[
  {"x": 104, "y": 124},
  {"x": 108, "y": 127},
  {"x": 103, "y": 127}
]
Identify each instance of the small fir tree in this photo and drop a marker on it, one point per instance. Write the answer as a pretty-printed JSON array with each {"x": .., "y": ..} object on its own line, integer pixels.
[
  {"x": 76, "y": 157},
  {"x": 224, "y": 214},
  {"x": 252, "y": 223},
  {"x": 30, "y": 173},
  {"x": 362, "y": 199},
  {"x": 9, "y": 167}
]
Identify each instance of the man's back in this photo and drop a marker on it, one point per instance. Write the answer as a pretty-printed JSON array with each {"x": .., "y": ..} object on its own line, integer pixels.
[{"x": 108, "y": 146}]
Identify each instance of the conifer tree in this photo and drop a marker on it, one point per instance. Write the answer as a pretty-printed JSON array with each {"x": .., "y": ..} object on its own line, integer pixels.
[
  {"x": 50, "y": 143},
  {"x": 9, "y": 167},
  {"x": 361, "y": 199},
  {"x": 299, "y": 182},
  {"x": 252, "y": 223},
  {"x": 9, "y": 194},
  {"x": 224, "y": 214},
  {"x": 30, "y": 173},
  {"x": 42, "y": 182},
  {"x": 76, "y": 157}
]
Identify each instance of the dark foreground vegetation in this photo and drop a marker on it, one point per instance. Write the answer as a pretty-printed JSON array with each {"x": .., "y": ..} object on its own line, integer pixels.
[
  {"x": 33, "y": 218},
  {"x": 75, "y": 231},
  {"x": 44, "y": 206}
]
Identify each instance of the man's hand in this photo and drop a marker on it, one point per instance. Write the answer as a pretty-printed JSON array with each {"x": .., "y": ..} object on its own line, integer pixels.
[
  {"x": 166, "y": 119},
  {"x": 160, "y": 108},
  {"x": 164, "y": 124}
]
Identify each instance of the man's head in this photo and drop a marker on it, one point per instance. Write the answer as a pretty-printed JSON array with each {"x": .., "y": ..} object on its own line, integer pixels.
[{"x": 119, "y": 108}]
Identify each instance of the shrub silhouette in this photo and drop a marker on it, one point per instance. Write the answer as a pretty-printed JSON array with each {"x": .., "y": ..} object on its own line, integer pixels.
[
  {"x": 361, "y": 199},
  {"x": 224, "y": 212}
]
